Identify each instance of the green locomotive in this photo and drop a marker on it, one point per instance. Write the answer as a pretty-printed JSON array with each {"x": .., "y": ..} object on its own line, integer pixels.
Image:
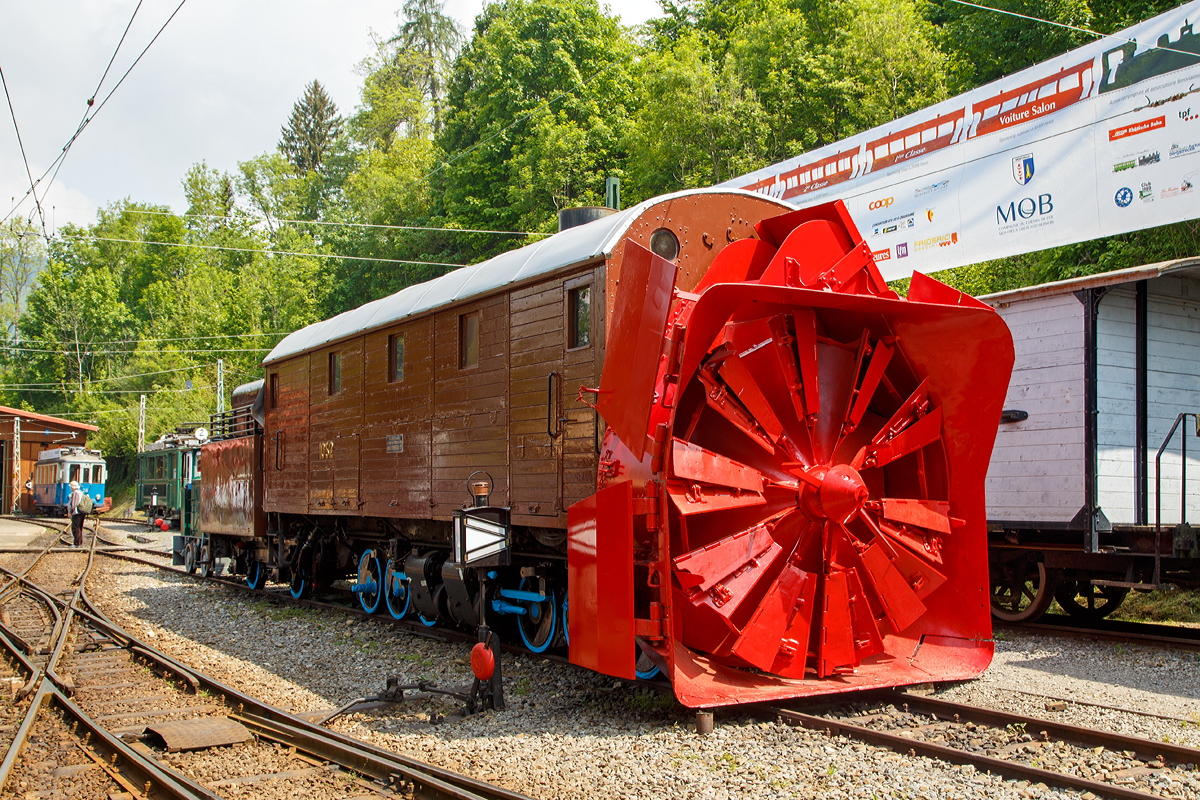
[{"x": 166, "y": 471}]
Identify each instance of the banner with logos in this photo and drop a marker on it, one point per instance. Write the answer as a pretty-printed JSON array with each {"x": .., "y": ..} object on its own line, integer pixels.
[{"x": 1102, "y": 140}]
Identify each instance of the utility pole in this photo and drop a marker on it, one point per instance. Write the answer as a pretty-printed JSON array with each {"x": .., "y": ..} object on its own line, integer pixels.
[
  {"x": 141, "y": 424},
  {"x": 16, "y": 465},
  {"x": 220, "y": 386}
]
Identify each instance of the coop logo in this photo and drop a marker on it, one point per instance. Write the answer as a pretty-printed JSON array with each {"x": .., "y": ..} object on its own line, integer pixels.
[
  {"x": 881, "y": 255},
  {"x": 1123, "y": 197},
  {"x": 936, "y": 241},
  {"x": 878, "y": 204},
  {"x": 902, "y": 250},
  {"x": 1022, "y": 169},
  {"x": 1023, "y": 209}
]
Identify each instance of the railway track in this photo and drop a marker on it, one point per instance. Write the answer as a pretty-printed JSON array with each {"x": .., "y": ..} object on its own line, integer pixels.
[
  {"x": 1014, "y": 746},
  {"x": 116, "y": 717},
  {"x": 1110, "y": 629},
  {"x": 1017, "y": 747}
]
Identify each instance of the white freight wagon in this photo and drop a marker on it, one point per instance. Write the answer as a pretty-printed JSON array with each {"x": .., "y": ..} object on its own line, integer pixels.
[{"x": 1105, "y": 366}]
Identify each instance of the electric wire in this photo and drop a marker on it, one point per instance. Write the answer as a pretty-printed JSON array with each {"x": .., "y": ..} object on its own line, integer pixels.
[
  {"x": 183, "y": 338},
  {"x": 89, "y": 115},
  {"x": 255, "y": 250},
  {"x": 21, "y": 144},
  {"x": 1075, "y": 28},
  {"x": 338, "y": 224},
  {"x": 212, "y": 351},
  {"x": 15, "y": 386}
]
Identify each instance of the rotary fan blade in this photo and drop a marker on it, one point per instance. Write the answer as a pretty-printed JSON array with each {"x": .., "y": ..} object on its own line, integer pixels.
[
  {"x": 722, "y": 575},
  {"x": 881, "y": 355},
  {"x": 778, "y": 632},
  {"x": 691, "y": 462},
  {"x": 925, "y": 431}
]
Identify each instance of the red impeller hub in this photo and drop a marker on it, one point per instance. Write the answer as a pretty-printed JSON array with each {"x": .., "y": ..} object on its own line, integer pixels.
[{"x": 792, "y": 482}]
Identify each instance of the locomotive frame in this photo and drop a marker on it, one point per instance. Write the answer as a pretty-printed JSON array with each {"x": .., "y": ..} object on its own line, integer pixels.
[{"x": 783, "y": 461}]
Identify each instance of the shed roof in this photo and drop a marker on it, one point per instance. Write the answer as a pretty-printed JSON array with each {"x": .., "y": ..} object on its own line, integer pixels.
[
  {"x": 1186, "y": 267},
  {"x": 572, "y": 246},
  {"x": 6, "y": 411}
]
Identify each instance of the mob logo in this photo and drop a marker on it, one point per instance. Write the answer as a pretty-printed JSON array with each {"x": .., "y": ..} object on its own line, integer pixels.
[
  {"x": 1022, "y": 168},
  {"x": 1025, "y": 208}
]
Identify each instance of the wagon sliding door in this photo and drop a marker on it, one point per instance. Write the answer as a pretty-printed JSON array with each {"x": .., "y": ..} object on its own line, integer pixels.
[
  {"x": 554, "y": 342},
  {"x": 536, "y": 389}
]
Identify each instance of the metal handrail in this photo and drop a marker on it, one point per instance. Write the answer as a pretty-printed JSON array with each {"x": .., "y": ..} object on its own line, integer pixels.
[{"x": 1158, "y": 487}]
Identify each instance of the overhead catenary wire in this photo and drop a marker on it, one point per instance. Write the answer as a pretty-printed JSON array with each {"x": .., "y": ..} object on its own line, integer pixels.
[
  {"x": 21, "y": 144},
  {"x": 90, "y": 114},
  {"x": 1075, "y": 28},
  {"x": 193, "y": 368},
  {"x": 337, "y": 224},
  {"x": 87, "y": 236},
  {"x": 89, "y": 352}
]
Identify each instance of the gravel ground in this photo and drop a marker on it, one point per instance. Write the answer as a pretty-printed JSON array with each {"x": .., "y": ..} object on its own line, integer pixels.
[{"x": 569, "y": 733}]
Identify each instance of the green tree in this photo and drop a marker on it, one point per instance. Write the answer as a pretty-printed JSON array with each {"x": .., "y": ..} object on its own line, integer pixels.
[
  {"x": 428, "y": 42},
  {"x": 311, "y": 130},
  {"x": 22, "y": 255},
  {"x": 698, "y": 124},
  {"x": 537, "y": 104}
]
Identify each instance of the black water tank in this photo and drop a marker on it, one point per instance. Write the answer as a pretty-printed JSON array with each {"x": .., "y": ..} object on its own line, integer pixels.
[{"x": 581, "y": 215}]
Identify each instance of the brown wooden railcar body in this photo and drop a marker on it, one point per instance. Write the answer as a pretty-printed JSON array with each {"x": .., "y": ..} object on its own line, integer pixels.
[{"x": 346, "y": 437}]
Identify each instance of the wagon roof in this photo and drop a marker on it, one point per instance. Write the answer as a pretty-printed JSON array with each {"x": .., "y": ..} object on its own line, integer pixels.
[
  {"x": 572, "y": 246},
  {"x": 7, "y": 411},
  {"x": 1185, "y": 267}
]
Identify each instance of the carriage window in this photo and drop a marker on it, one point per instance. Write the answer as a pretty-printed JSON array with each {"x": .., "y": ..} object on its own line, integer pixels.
[
  {"x": 158, "y": 467},
  {"x": 98, "y": 474},
  {"x": 75, "y": 472},
  {"x": 174, "y": 466},
  {"x": 273, "y": 395},
  {"x": 335, "y": 373},
  {"x": 196, "y": 466},
  {"x": 87, "y": 475},
  {"x": 579, "y": 310},
  {"x": 468, "y": 340},
  {"x": 396, "y": 358}
]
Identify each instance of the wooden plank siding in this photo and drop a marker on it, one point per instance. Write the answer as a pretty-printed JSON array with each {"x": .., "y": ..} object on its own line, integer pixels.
[
  {"x": 397, "y": 483},
  {"x": 470, "y": 406},
  {"x": 1037, "y": 466},
  {"x": 444, "y": 420},
  {"x": 285, "y": 473},
  {"x": 335, "y": 427},
  {"x": 1172, "y": 387}
]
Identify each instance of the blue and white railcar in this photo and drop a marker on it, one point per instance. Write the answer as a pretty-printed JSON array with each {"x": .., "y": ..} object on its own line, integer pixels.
[{"x": 57, "y": 468}]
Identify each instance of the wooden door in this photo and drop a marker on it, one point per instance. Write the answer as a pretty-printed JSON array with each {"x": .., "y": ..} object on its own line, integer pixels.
[{"x": 536, "y": 388}]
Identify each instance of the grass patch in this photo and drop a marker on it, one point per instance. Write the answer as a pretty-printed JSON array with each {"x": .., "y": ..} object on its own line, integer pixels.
[
  {"x": 649, "y": 701},
  {"x": 1177, "y": 606},
  {"x": 281, "y": 613}
]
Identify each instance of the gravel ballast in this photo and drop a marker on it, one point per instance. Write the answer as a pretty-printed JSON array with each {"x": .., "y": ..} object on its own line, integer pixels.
[{"x": 570, "y": 733}]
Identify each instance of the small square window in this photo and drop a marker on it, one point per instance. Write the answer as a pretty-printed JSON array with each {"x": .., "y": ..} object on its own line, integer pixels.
[
  {"x": 468, "y": 340},
  {"x": 579, "y": 310},
  {"x": 396, "y": 358},
  {"x": 335, "y": 373}
]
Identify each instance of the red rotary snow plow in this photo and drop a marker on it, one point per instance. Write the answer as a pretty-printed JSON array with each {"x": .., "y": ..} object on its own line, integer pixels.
[{"x": 790, "y": 496}]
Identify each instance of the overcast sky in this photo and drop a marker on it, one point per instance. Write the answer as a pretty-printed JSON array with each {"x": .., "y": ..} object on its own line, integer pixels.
[{"x": 215, "y": 87}]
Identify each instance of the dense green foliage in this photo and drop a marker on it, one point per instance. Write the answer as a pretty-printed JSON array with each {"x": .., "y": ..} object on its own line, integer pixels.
[{"x": 465, "y": 146}]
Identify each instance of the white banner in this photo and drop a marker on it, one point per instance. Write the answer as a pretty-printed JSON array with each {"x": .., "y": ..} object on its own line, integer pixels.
[{"x": 1102, "y": 140}]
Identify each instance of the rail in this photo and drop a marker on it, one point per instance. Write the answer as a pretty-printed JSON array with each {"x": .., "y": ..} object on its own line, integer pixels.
[{"x": 1158, "y": 487}]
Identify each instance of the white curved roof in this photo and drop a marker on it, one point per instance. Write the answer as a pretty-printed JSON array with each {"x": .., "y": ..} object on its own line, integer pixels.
[{"x": 572, "y": 246}]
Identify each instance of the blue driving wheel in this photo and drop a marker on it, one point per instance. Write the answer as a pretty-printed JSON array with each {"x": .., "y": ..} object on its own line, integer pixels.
[
  {"x": 301, "y": 584},
  {"x": 396, "y": 593},
  {"x": 539, "y": 623},
  {"x": 369, "y": 573},
  {"x": 256, "y": 575},
  {"x": 645, "y": 669},
  {"x": 566, "y": 629}
]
